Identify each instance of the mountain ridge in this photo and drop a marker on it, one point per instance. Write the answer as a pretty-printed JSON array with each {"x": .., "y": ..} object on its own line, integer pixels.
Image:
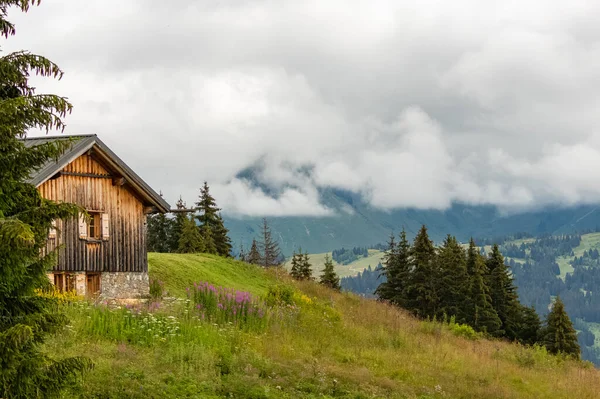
[{"x": 356, "y": 223}]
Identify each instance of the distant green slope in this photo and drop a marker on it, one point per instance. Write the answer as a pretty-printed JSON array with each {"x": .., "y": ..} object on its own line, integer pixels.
[{"x": 352, "y": 269}]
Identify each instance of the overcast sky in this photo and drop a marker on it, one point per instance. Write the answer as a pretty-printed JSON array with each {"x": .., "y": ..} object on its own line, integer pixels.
[{"x": 417, "y": 103}]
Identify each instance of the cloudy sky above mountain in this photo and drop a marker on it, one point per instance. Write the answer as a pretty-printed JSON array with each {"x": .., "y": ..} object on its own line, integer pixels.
[{"x": 417, "y": 103}]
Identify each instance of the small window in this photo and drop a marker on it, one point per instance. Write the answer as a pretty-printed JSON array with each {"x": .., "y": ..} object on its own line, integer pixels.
[
  {"x": 94, "y": 226},
  {"x": 64, "y": 282}
]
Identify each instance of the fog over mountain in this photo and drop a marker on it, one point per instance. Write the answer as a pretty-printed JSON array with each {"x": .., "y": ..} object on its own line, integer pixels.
[{"x": 405, "y": 104}]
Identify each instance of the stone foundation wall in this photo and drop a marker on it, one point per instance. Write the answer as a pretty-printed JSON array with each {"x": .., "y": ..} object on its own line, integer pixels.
[
  {"x": 118, "y": 285},
  {"x": 124, "y": 285}
]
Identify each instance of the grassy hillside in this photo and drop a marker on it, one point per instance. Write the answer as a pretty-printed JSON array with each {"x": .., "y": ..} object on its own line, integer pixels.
[
  {"x": 351, "y": 269},
  {"x": 320, "y": 344},
  {"x": 588, "y": 241}
]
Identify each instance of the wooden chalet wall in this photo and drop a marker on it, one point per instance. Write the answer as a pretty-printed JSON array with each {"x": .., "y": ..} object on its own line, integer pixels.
[{"x": 125, "y": 248}]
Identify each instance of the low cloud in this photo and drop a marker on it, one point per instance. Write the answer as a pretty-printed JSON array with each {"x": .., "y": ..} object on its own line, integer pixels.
[{"x": 405, "y": 103}]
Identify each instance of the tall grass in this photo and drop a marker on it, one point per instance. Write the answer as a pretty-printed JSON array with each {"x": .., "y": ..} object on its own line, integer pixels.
[
  {"x": 316, "y": 343},
  {"x": 227, "y": 305}
]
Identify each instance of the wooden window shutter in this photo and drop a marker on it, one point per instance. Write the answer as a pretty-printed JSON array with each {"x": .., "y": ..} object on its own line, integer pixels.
[
  {"x": 105, "y": 226},
  {"x": 82, "y": 227},
  {"x": 52, "y": 231}
]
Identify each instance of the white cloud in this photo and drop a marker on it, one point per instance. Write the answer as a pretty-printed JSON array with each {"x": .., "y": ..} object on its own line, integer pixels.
[{"x": 409, "y": 103}]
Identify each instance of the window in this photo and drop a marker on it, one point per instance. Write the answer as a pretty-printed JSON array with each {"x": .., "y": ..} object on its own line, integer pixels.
[
  {"x": 94, "y": 228},
  {"x": 64, "y": 282}
]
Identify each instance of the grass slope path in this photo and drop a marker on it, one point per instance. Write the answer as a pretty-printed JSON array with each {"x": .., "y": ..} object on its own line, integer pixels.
[{"x": 325, "y": 345}]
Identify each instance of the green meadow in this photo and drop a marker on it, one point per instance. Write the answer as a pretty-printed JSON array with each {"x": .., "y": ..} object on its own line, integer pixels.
[{"x": 301, "y": 341}]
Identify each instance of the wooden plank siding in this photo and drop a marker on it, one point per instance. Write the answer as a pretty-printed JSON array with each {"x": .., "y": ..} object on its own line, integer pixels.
[{"x": 125, "y": 248}]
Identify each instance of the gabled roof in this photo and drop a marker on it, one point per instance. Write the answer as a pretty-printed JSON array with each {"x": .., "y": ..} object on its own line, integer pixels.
[{"x": 83, "y": 143}]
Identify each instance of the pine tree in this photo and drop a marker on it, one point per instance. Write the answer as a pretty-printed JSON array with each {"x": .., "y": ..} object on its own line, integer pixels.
[
  {"x": 190, "y": 239},
  {"x": 25, "y": 220},
  {"x": 253, "y": 256},
  {"x": 559, "y": 334},
  {"x": 296, "y": 270},
  {"x": 386, "y": 291},
  {"x": 207, "y": 239},
  {"x": 271, "y": 254},
  {"x": 243, "y": 256},
  {"x": 207, "y": 206},
  {"x": 421, "y": 295},
  {"x": 530, "y": 326},
  {"x": 222, "y": 240},
  {"x": 329, "y": 277},
  {"x": 177, "y": 225},
  {"x": 482, "y": 315},
  {"x": 306, "y": 267},
  {"x": 453, "y": 287},
  {"x": 503, "y": 294},
  {"x": 159, "y": 233},
  {"x": 209, "y": 218}
]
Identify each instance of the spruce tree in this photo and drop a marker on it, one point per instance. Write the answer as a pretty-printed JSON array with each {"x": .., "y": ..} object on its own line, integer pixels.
[
  {"x": 177, "y": 224},
  {"x": 190, "y": 239},
  {"x": 481, "y": 316},
  {"x": 387, "y": 289},
  {"x": 209, "y": 218},
  {"x": 559, "y": 336},
  {"x": 207, "y": 207},
  {"x": 26, "y": 319},
  {"x": 296, "y": 270},
  {"x": 530, "y": 326},
  {"x": 329, "y": 277},
  {"x": 306, "y": 267},
  {"x": 221, "y": 238},
  {"x": 242, "y": 257},
  {"x": 208, "y": 240},
  {"x": 421, "y": 296},
  {"x": 271, "y": 254},
  {"x": 158, "y": 237},
  {"x": 452, "y": 284},
  {"x": 503, "y": 294},
  {"x": 253, "y": 256}
]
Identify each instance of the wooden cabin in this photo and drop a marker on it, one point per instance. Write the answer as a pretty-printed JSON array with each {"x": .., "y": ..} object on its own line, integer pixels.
[{"x": 103, "y": 254}]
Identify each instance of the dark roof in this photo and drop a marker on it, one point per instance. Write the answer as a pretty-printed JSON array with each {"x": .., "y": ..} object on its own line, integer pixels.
[{"x": 81, "y": 144}]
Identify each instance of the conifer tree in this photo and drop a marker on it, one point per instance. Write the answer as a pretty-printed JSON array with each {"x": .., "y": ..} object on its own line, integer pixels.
[
  {"x": 306, "y": 267},
  {"x": 296, "y": 270},
  {"x": 421, "y": 296},
  {"x": 207, "y": 207},
  {"x": 559, "y": 334},
  {"x": 482, "y": 315},
  {"x": 210, "y": 219},
  {"x": 471, "y": 258},
  {"x": 26, "y": 319},
  {"x": 243, "y": 254},
  {"x": 253, "y": 256},
  {"x": 452, "y": 285},
  {"x": 396, "y": 269},
  {"x": 159, "y": 233},
  {"x": 329, "y": 277},
  {"x": 386, "y": 291},
  {"x": 177, "y": 224},
  {"x": 503, "y": 294},
  {"x": 190, "y": 239},
  {"x": 221, "y": 238},
  {"x": 271, "y": 254},
  {"x": 530, "y": 326},
  {"x": 207, "y": 239}
]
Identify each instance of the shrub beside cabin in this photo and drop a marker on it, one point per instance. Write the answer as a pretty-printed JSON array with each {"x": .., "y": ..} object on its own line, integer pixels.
[{"x": 106, "y": 254}]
